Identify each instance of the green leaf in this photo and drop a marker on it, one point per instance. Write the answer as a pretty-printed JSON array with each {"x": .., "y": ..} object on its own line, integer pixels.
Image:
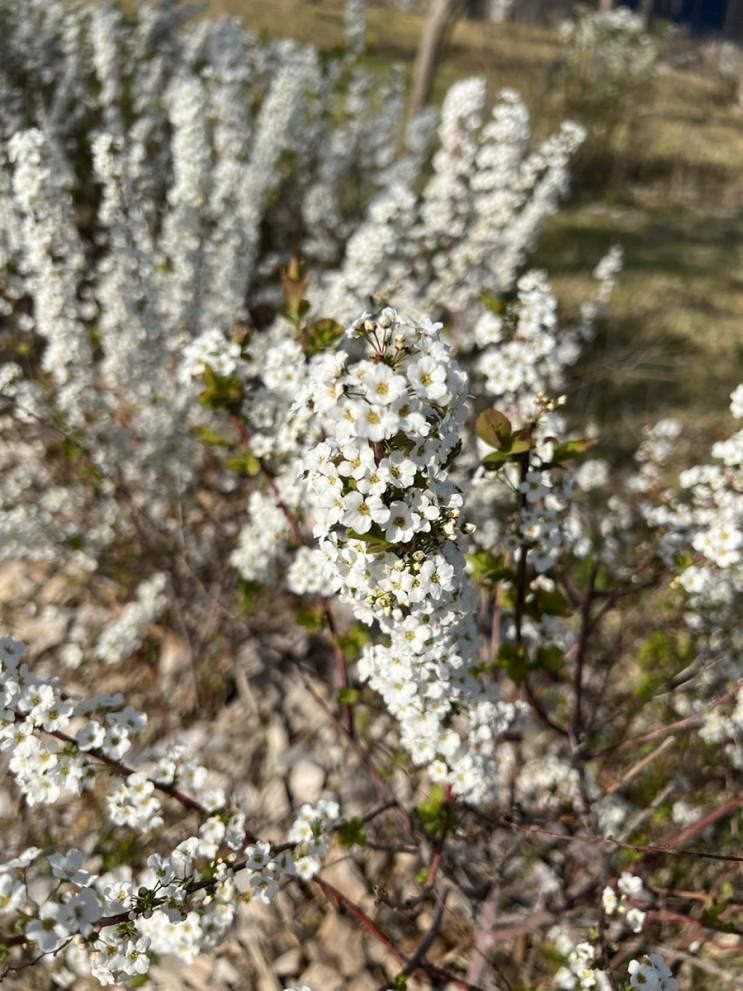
[
  {"x": 294, "y": 282},
  {"x": 550, "y": 659},
  {"x": 493, "y": 427},
  {"x": 374, "y": 539},
  {"x": 71, "y": 450},
  {"x": 511, "y": 452},
  {"x": 349, "y": 696},
  {"x": 493, "y": 303},
  {"x": 487, "y": 569},
  {"x": 246, "y": 464},
  {"x": 353, "y": 642},
  {"x": 572, "y": 449},
  {"x": 312, "y": 618},
  {"x": 492, "y": 462},
  {"x": 249, "y": 596},
  {"x": 352, "y": 833},
  {"x": 434, "y": 812},
  {"x": 221, "y": 391},
  {"x": 400, "y": 983},
  {"x": 548, "y": 603},
  {"x": 208, "y": 436},
  {"x": 322, "y": 335},
  {"x": 512, "y": 657}
]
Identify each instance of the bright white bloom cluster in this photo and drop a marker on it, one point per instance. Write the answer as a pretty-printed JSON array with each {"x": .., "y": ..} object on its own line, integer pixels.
[
  {"x": 726, "y": 727},
  {"x": 42, "y": 185},
  {"x": 35, "y": 711},
  {"x": 392, "y": 404},
  {"x": 518, "y": 356},
  {"x": 736, "y": 402},
  {"x": 310, "y": 834},
  {"x": 524, "y": 351},
  {"x": 651, "y": 973},
  {"x": 122, "y": 637},
  {"x": 629, "y": 886},
  {"x": 190, "y": 148},
  {"x": 209, "y": 349},
  {"x": 355, "y": 25},
  {"x": 705, "y": 524},
  {"x": 478, "y": 215},
  {"x": 614, "y": 43},
  {"x": 261, "y": 540},
  {"x": 580, "y": 973},
  {"x": 306, "y": 574},
  {"x": 181, "y": 904}
]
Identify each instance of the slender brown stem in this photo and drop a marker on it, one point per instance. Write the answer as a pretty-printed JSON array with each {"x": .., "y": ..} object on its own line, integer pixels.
[
  {"x": 341, "y": 665},
  {"x": 580, "y": 658}
]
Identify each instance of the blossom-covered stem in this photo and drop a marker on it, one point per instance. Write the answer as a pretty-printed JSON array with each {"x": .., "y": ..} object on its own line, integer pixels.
[
  {"x": 195, "y": 886},
  {"x": 124, "y": 771}
]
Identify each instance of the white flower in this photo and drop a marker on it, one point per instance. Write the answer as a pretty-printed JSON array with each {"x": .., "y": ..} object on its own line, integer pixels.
[
  {"x": 360, "y": 512},
  {"x": 382, "y": 385},
  {"x": 91, "y": 736},
  {"x": 257, "y": 855},
  {"x": 736, "y": 401},
  {"x": 630, "y": 885},
  {"x": 82, "y": 911},
  {"x": 51, "y": 928},
  {"x": 402, "y": 525},
  {"x": 652, "y": 974},
  {"x": 428, "y": 377},
  {"x": 68, "y": 867},
  {"x": 12, "y": 893},
  {"x": 609, "y": 900}
]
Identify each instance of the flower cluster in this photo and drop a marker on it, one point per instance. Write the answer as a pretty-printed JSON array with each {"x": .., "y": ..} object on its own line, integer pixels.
[
  {"x": 702, "y": 535},
  {"x": 580, "y": 970},
  {"x": 183, "y": 903},
  {"x": 580, "y": 973},
  {"x": 651, "y": 973},
  {"x": 122, "y": 637},
  {"x": 629, "y": 886},
  {"x": 166, "y": 168},
  {"x": 45, "y": 760},
  {"x": 614, "y": 43},
  {"x": 387, "y": 518}
]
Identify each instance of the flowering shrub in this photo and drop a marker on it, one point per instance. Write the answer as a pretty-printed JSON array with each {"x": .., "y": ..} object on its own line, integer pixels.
[
  {"x": 608, "y": 65},
  {"x": 223, "y": 468}
]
